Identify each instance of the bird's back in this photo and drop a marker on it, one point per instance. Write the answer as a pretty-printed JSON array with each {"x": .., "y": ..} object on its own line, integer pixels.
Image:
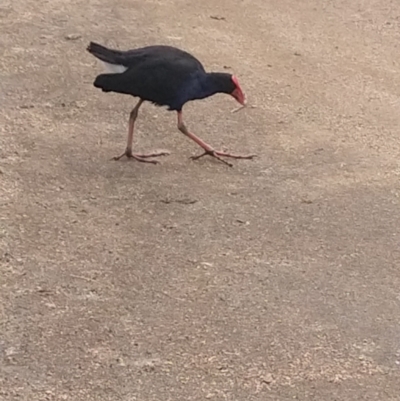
[
  {"x": 164, "y": 75},
  {"x": 159, "y": 54}
]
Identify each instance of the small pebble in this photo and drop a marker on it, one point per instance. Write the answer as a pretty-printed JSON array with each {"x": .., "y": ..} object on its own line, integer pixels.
[{"x": 72, "y": 36}]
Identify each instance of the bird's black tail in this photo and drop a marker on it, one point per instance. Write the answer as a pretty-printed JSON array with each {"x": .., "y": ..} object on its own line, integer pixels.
[{"x": 104, "y": 54}]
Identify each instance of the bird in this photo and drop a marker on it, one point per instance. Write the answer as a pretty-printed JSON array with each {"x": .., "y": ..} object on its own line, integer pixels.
[{"x": 165, "y": 76}]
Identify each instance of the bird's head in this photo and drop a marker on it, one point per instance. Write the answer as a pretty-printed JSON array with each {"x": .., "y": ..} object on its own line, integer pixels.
[
  {"x": 222, "y": 82},
  {"x": 237, "y": 92}
]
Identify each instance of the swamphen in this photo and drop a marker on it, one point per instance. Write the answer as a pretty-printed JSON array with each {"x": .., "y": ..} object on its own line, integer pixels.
[{"x": 165, "y": 76}]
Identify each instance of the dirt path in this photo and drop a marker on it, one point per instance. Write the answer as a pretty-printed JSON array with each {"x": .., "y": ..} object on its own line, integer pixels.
[{"x": 277, "y": 279}]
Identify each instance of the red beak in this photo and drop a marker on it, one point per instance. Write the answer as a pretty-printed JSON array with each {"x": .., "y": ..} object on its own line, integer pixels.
[{"x": 239, "y": 96}]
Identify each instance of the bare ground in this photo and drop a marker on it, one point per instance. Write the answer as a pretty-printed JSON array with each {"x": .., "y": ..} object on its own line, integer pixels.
[{"x": 277, "y": 279}]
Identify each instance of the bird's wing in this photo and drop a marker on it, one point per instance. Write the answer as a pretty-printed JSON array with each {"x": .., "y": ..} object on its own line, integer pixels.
[{"x": 164, "y": 81}]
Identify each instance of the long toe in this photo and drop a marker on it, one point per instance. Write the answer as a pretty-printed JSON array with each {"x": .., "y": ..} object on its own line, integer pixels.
[
  {"x": 214, "y": 154},
  {"x": 155, "y": 154},
  {"x": 219, "y": 154},
  {"x": 142, "y": 157},
  {"x": 120, "y": 156},
  {"x": 234, "y": 156}
]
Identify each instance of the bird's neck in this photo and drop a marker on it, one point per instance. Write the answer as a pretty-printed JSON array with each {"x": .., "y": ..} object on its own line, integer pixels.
[{"x": 212, "y": 83}]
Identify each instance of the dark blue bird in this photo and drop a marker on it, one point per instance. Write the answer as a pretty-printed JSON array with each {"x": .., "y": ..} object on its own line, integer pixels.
[{"x": 165, "y": 76}]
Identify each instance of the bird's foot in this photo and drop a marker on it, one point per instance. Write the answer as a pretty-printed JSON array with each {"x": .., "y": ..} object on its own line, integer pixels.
[
  {"x": 142, "y": 158},
  {"x": 218, "y": 154}
]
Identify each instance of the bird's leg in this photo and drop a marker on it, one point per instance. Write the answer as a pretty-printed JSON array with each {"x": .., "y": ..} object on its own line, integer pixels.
[
  {"x": 128, "y": 151},
  {"x": 132, "y": 118},
  {"x": 208, "y": 150}
]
